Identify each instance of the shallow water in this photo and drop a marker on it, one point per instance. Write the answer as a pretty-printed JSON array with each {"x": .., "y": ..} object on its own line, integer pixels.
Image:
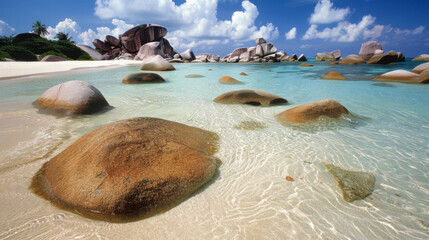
[{"x": 387, "y": 134}]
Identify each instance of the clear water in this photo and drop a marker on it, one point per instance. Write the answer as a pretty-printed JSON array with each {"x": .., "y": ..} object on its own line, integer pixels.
[{"x": 387, "y": 135}]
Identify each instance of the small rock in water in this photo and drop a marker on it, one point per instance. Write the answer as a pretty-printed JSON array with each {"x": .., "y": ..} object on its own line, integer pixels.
[
  {"x": 229, "y": 80},
  {"x": 354, "y": 185},
  {"x": 251, "y": 97},
  {"x": 397, "y": 195},
  {"x": 194, "y": 76},
  {"x": 333, "y": 76},
  {"x": 290, "y": 179},
  {"x": 305, "y": 65},
  {"x": 251, "y": 125},
  {"x": 136, "y": 78},
  {"x": 243, "y": 73}
]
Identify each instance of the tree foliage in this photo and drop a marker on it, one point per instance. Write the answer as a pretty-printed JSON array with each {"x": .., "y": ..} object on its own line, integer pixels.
[{"x": 39, "y": 28}]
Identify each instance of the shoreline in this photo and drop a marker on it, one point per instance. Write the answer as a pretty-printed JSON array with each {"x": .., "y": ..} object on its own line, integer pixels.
[{"x": 24, "y": 70}]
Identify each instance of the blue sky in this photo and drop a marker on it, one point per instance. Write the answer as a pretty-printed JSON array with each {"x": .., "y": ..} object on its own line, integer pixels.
[{"x": 219, "y": 26}]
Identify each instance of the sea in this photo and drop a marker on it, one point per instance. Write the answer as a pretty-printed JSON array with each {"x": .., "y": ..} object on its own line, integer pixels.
[{"x": 387, "y": 134}]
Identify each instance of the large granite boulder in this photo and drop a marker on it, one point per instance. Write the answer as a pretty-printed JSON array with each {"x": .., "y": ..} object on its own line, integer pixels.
[
  {"x": 260, "y": 41},
  {"x": 420, "y": 68},
  {"x": 368, "y": 48},
  {"x": 135, "y": 37},
  {"x": 336, "y": 54},
  {"x": 265, "y": 49},
  {"x": 229, "y": 80},
  {"x": 237, "y": 52},
  {"x": 333, "y": 76},
  {"x": 252, "y": 97},
  {"x": 352, "y": 60},
  {"x": 188, "y": 55},
  {"x": 385, "y": 58},
  {"x": 113, "y": 41},
  {"x": 422, "y": 57},
  {"x": 302, "y": 58},
  {"x": 245, "y": 57},
  {"x": 167, "y": 48},
  {"x": 156, "y": 63},
  {"x": 139, "y": 78},
  {"x": 354, "y": 185},
  {"x": 101, "y": 45},
  {"x": 312, "y": 111},
  {"x": 129, "y": 169},
  {"x": 325, "y": 56},
  {"x": 52, "y": 58},
  {"x": 91, "y": 52},
  {"x": 149, "y": 50},
  {"x": 72, "y": 97},
  {"x": 401, "y": 76}
]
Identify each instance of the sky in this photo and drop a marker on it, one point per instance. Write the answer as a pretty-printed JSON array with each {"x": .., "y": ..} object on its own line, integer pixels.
[{"x": 220, "y": 26}]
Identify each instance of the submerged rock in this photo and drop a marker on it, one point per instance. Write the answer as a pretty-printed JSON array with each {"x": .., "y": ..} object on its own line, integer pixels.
[
  {"x": 194, "y": 76},
  {"x": 229, "y": 80},
  {"x": 143, "y": 78},
  {"x": 73, "y": 97},
  {"x": 333, "y": 76},
  {"x": 156, "y": 63},
  {"x": 312, "y": 111},
  {"x": 368, "y": 49},
  {"x": 354, "y": 185},
  {"x": 243, "y": 73},
  {"x": 305, "y": 65},
  {"x": 252, "y": 97},
  {"x": 129, "y": 169}
]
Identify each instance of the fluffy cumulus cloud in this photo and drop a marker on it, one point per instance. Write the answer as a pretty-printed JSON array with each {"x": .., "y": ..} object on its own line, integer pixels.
[
  {"x": 418, "y": 30},
  {"x": 324, "y": 12},
  {"x": 343, "y": 32},
  {"x": 120, "y": 27},
  {"x": 67, "y": 26},
  {"x": 5, "y": 29},
  {"x": 193, "y": 23},
  {"x": 291, "y": 34}
]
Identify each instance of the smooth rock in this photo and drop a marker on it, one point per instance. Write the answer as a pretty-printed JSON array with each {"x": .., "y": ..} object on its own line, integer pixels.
[
  {"x": 420, "y": 68},
  {"x": 352, "y": 60},
  {"x": 137, "y": 78},
  {"x": 333, "y": 76},
  {"x": 336, "y": 54},
  {"x": 73, "y": 97},
  {"x": 101, "y": 45},
  {"x": 237, "y": 52},
  {"x": 208, "y": 57},
  {"x": 260, "y": 41},
  {"x": 354, "y": 185},
  {"x": 422, "y": 57},
  {"x": 243, "y": 73},
  {"x": 384, "y": 58},
  {"x": 188, "y": 55},
  {"x": 325, "y": 56},
  {"x": 368, "y": 49},
  {"x": 91, "y": 52},
  {"x": 156, "y": 63},
  {"x": 149, "y": 50},
  {"x": 176, "y": 61},
  {"x": 113, "y": 41},
  {"x": 166, "y": 47},
  {"x": 229, "y": 80},
  {"x": 252, "y": 97},
  {"x": 302, "y": 58},
  {"x": 402, "y": 76},
  {"x": 51, "y": 58},
  {"x": 305, "y": 65},
  {"x": 194, "y": 76},
  {"x": 245, "y": 57},
  {"x": 137, "y": 36},
  {"x": 129, "y": 169},
  {"x": 312, "y": 111},
  {"x": 378, "y": 51}
]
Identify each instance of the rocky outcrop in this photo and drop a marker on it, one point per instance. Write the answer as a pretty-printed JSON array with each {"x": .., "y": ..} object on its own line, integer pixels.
[
  {"x": 149, "y": 50},
  {"x": 229, "y": 80},
  {"x": 420, "y": 68},
  {"x": 139, "y": 78},
  {"x": 72, "y": 97},
  {"x": 156, "y": 63},
  {"x": 368, "y": 49},
  {"x": 354, "y": 185},
  {"x": 333, "y": 76},
  {"x": 251, "y": 97},
  {"x": 386, "y": 58},
  {"x": 104, "y": 46},
  {"x": 302, "y": 58},
  {"x": 403, "y": 76},
  {"x": 328, "y": 56},
  {"x": 207, "y": 57},
  {"x": 137, "y": 36},
  {"x": 422, "y": 57},
  {"x": 129, "y": 169},
  {"x": 51, "y": 58},
  {"x": 188, "y": 55},
  {"x": 113, "y": 41},
  {"x": 312, "y": 111},
  {"x": 91, "y": 52},
  {"x": 352, "y": 60}
]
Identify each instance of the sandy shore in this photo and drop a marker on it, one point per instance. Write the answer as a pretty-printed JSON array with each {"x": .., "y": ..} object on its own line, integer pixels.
[{"x": 9, "y": 70}]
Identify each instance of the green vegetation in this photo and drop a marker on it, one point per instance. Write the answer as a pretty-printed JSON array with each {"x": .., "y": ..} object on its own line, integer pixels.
[
  {"x": 25, "y": 46},
  {"x": 39, "y": 28},
  {"x": 4, "y": 55},
  {"x": 62, "y": 36}
]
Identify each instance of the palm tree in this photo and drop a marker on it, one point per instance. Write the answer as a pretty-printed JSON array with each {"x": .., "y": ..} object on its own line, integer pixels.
[
  {"x": 64, "y": 36},
  {"x": 39, "y": 28}
]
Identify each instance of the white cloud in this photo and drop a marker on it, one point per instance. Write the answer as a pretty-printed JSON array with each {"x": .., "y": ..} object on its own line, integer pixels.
[
  {"x": 291, "y": 34},
  {"x": 374, "y": 33},
  {"x": 418, "y": 30},
  {"x": 325, "y": 13},
  {"x": 192, "y": 23},
  {"x": 67, "y": 26},
  {"x": 343, "y": 32},
  {"x": 5, "y": 29},
  {"x": 101, "y": 32},
  {"x": 305, "y": 46}
]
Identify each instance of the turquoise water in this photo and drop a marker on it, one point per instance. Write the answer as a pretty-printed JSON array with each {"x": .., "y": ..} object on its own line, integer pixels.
[{"x": 387, "y": 134}]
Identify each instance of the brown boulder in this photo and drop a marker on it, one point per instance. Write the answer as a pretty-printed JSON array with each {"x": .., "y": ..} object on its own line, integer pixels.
[
  {"x": 243, "y": 73},
  {"x": 113, "y": 41},
  {"x": 368, "y": 48},
  {"x": 252, "y": 97},
  {"x": 167, "y": 48},
  {"x": 229, "y": 80},
  {"x": 305, "y": 65},
  {"x": 422, "y": 57},
  {"x": 402, "y": 76},
  {"x": 420, "y": 68},
  {"x": 194, "y": 76},
  {"x": 352, "y": 60},
  {"x": 333, "y": 76},
  {"x": 101, "y": 45},
  {"x": 135, "y": 37},
  {"x": 73, "y": 97},
  {"x": 143, "y": 78},
  {"x": 156, "y": 63},
  {"x": 312, "y": 111},
  {"x": 129, "y": 169},
  {"x": 385, "y": 58}
]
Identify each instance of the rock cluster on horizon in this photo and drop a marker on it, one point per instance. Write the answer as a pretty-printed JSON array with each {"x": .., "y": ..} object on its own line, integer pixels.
[{"x": 328, "y": 56}]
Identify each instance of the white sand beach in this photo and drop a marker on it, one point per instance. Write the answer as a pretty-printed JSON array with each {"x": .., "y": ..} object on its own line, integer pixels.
[{"x": 26, "y": 69}]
